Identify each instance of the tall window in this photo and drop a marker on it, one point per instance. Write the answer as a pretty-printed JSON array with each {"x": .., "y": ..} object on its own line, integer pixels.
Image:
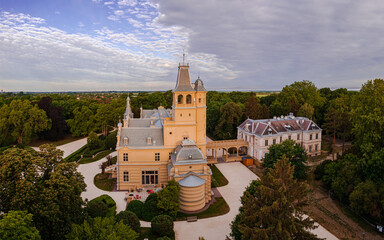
[
  {"x": 266, "y": 142},
  {"x": 170, "y": 155},
  {"x": 125, "y": 157},
  {"x": 157, "y": 157},
  {"x": 310, "y": 137},
  {"x": 281, "y": 139},
  {"x": 274, "y": 141},
  {"x": 180, "y": 99},
  {"x": 199, "y": 100},
  {"x": 317, "y": 136},
  {"x": 316, "y": 147},
  {"x": 149, "y": 177},
  {"x": 289, "y": 137},
  {"x": 126, "y": 176},
  {"x": 298, "y": 136},
  {"x": 310, "y": 148},
  {"x": 189, "y": 99}
]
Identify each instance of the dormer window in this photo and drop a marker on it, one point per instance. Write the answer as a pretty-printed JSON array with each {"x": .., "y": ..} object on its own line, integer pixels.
[
  {"x": 149, "y": 140},
  {"x": 190, "y": 156},
  {"x": 287, "y": 126},
  {"x": 269, "y": 131},
  {"x": 126, "y": 141}
]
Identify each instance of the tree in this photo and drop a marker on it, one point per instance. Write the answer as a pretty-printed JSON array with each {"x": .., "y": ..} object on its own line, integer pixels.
[
  {"x": 25, "y": 120},
  {"x": 136, "y": 207},
  {"x": 83, "y": 121},
  {"x": 102, "y": 228},
  {"x": 162, "y": 225},
  {"x": 111, "y": 140},
  {"x": 293, "y": 152},
  {"x": 44, "y": 185},
  {"x": 264, "y": 114},
  {"x": 252, "y": 107},
  {"x": 18, "y": 225},
  {"x": 102, "y": 206},
  {"x": 367, "y": 198},
  {"x": 275, "y": 208},
  {"x": 150, "y": 209},
  {"x": 337, "y": 118},
  {"x": 58, "y": 128},
  {"x": 306, "y": 110},
  {"x": 129, "y": 218},
  {"x": 168, "y": 199},
  {"x": 368, "y": 117},
  {"x": 230, "y": 117},
  {"x": 93, "y": 141}
]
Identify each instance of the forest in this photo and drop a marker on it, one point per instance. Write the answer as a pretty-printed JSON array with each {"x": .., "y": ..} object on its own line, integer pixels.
[{"x": 355, "y": 178}]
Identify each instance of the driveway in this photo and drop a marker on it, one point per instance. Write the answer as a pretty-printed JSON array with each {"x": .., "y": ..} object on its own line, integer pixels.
[
  {"x": 239, "y": 178},
  {"x": 89, "y": 171}
]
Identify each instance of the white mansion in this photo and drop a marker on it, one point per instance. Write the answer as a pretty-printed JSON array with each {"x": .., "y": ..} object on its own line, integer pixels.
[{"x": 262, "y": 133}]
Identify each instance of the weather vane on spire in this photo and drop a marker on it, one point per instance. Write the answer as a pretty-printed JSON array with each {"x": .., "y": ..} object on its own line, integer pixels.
[{"x": 183, "y": 57}]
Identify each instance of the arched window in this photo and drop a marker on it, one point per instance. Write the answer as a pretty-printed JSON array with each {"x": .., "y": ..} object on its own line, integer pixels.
[
  {"x": 189, "y": 99},
  {"x": 180, "y": 99}
]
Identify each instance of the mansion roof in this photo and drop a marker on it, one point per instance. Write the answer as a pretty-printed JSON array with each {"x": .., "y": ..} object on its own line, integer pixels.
[{"x": 278, "y": 125}]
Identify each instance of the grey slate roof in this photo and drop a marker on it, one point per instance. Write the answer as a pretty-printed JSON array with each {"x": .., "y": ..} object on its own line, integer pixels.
[
  {"x": 192, "y": 181},
  {"x": 199, "y": 85},
  {"x": 137, "y": 137},
  {"x": 187, "y": 153},
  {"x": 183, "y": 80}
]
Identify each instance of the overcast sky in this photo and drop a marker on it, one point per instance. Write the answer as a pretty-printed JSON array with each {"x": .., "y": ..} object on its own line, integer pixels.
[{"x": 76, "y": 45}]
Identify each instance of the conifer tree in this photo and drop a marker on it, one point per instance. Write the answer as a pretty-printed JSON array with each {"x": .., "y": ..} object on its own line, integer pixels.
[
  {"x": 273, "y": 207},
  {"x": 252, "y": 107}
]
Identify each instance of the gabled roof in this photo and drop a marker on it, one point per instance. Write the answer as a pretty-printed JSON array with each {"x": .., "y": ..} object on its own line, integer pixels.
[{"x": 278, "y": 125}]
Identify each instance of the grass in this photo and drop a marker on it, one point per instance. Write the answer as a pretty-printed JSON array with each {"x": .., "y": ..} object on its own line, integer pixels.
[
  {"x": 67, "y": 139},
  {"x": 103, "y": 182},
  {"x": 220, "y": 207},
  {"x": 218, "y": 179},
  {"x": 96, "y": 158}
]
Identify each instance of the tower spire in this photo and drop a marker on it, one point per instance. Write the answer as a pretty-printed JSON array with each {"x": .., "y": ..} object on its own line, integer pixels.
[{"x": 183, "y": 58}]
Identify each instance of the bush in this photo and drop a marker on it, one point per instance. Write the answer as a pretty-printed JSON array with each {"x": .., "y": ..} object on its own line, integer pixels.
[
  {"x": 97, "y": 206},
  {"x": 162, "y": 225},
  {"x": 129, "y": 218},
  {"x": 76, "y": 155},
  {"x": 93, "y": 141},
  {"x": 150, "y": 209},
  {"x": 136, "y": 207},
  {"x": 111, "y": 140},
  {"x": 320, "y": 169}
]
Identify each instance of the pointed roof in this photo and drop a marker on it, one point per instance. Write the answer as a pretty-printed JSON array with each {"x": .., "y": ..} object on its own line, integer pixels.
[
  {"x": 199, "y": 85},
  {"x": 183, "y": 79},
  {"x": 192, "y": 181},
  {"x": 128, "y": 111}
]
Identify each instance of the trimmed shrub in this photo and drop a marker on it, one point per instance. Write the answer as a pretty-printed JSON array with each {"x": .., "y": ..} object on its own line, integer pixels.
[
  {"x": 129, "y": 218},
  {"x": 150, "y": 209},
  {"x": 136, "y": 207},
  {"x": 96, "y": 207},
  {"x": 162, "y": 225},
  {"x": 111, "y": 140}
]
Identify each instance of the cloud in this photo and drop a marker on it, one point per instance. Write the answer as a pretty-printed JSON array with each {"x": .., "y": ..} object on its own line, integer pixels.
[
  {"x": 273, "y": 43},
  {"x": 37, "y": 57}
]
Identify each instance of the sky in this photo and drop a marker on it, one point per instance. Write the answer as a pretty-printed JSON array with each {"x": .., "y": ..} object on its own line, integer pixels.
[{"x": 129, "y": 45}]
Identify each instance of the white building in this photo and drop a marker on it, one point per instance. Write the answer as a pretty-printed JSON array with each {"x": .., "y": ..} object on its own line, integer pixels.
[{"x": 262, "y": 133}]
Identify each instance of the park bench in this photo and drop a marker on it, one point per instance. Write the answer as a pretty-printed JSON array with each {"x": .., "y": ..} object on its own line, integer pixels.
[{"x": 192, "y": 219}]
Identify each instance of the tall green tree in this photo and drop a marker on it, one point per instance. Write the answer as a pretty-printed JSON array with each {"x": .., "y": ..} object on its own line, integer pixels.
[
  {"x": 83, "y": 123},
  {"x": 338, "y": 118},
  {"x": 102, "y": 228},
  {"x": 44, "y": 185},
  {"x": 55, "y": 114},
  {"x": 293, "y": 151},
  {"x": 273, "y": 209},
  {"x": 230, "y": 118},
  {"x": 306, "y": 110},
  {"x": 168, "y": 199},
  {"x": 18, "y": 225},
  {"x": 368, "y": 117},
  {"x": 25, "y": 120},
  {"x": 252, "y": 107}
]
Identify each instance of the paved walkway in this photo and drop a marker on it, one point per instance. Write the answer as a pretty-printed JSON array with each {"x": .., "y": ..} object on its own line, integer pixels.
[{"x": 72, "y": 147}]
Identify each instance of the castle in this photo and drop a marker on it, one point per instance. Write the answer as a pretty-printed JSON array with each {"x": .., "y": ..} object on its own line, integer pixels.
[{"x": 165, "y": 144}]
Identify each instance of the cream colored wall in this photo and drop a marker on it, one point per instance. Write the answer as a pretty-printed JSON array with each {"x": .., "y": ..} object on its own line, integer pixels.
[{"x": 138, "y": 160}]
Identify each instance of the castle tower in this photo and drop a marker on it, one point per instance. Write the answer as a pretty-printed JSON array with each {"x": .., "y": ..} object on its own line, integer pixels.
[{"x": 188, "y": 111}]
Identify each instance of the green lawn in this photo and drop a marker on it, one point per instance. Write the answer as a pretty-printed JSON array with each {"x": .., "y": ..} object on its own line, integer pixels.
[
  {"x": 67, "y": 139},
  {"x": 96, "y": 158},
  {"x": 220, "y": 207},
  {"x": 218, "y": 179},
  {"x": 103, "y": 182}
]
